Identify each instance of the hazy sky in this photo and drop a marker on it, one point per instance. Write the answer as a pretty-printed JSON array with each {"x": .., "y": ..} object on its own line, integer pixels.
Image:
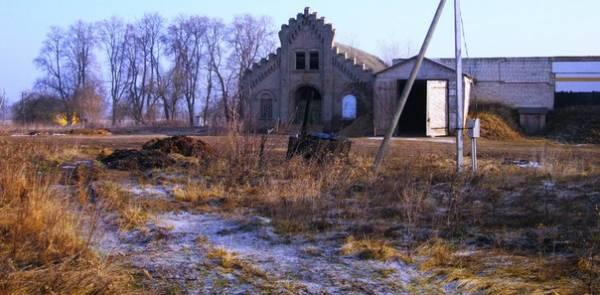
[{"x": 492, "y": 27}]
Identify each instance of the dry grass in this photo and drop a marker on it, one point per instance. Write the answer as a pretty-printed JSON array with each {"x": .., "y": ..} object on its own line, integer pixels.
[
  {"x": 230, "y": 261},
  {"x": 372, "y": 250},
  {"x": 437, "y": 252},
  {"x": 131, "y": 212},
  {"x": 43, "y": 248},
  {"x": 198, "y": 192},
  {"x": 417, "y": 196},
  {"x": 224, "y": 258},
  {"x": 499, "y": 272}
]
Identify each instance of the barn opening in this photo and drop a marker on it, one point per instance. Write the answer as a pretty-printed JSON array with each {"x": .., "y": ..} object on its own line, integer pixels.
[
  {"x": 303, "y": 94},
  {"x": 413, "y": 120}
]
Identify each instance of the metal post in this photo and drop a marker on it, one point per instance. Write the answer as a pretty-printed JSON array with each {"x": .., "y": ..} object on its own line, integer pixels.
[
  {"x": 407, "y": 88},
  {"x": 474, "y": 154},
  {"x": 459, "y": 86}
]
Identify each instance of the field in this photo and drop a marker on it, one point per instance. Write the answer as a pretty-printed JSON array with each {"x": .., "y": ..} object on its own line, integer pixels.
[{"x": 237, "y": 218}]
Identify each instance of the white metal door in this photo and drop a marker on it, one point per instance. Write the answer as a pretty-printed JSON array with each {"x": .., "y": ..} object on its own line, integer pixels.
[{"x": 437, "y": 108}]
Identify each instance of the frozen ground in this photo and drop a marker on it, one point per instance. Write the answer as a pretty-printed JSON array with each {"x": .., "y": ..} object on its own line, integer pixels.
[{"x": 175, "y": 251}]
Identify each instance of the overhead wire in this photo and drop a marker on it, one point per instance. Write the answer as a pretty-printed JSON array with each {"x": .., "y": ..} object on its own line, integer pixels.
[{"x": 470, "y": 65}]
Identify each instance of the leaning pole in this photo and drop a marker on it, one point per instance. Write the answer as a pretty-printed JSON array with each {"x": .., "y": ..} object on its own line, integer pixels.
[{"x": 407, "y": 88}]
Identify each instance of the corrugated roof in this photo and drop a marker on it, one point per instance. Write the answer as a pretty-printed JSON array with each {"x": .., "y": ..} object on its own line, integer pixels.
[{"x": 369, "y": 60}]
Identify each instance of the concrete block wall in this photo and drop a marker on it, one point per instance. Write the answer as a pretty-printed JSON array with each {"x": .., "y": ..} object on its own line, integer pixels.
[{"x": 517, "y": 82}]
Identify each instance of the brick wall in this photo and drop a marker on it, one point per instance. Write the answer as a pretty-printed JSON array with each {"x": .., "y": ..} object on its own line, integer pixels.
[{"x": 516, "y": 82}]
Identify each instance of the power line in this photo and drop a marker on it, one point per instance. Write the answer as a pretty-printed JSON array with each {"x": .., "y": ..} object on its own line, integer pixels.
[
  {"x": 469, "y": 65},
  {"x": 462, "y": 25}
]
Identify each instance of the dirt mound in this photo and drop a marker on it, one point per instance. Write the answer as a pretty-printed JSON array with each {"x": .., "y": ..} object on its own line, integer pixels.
[
  {"x": 90, "y": 131},
  {"x": 137, "y": 160},
  {"x": 498, "y": 122},
  {"x": 577, "y": 124},
  {"x": 182, "y": 145},
  {"x": 156, "y": 153}
]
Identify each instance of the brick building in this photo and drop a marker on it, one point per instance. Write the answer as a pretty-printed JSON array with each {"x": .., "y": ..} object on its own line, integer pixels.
[
  {"x": 311, "y": 65},
  {"x": 354, "y": 90}
]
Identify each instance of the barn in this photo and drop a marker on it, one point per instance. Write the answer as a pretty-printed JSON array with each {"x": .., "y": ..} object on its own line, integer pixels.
[{"x": 431, "y": 106}]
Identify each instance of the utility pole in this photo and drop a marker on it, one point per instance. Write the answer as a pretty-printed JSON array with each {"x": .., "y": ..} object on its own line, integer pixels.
[
  {"x": 407, "y": 88},
  {"x": 459, "y": 86}
]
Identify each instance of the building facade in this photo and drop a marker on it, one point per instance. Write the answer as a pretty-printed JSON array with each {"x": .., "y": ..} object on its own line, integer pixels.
[
  {"x": 356, "y": 93},
  {"x": 310, "y": 65}
]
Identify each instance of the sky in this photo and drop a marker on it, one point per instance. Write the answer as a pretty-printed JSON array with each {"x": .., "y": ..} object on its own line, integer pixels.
[{"x": 492, "y": 27}]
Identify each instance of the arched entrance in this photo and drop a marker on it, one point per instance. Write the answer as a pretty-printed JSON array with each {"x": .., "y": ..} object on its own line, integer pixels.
[{"x": 302, "y": 96}]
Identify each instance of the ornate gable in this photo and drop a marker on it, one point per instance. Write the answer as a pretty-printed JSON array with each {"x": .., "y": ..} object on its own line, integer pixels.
[{"x": 306, "y": 21}]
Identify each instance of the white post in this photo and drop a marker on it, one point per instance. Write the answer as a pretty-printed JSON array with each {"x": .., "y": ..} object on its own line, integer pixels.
[{"x": 459, "y": 86}]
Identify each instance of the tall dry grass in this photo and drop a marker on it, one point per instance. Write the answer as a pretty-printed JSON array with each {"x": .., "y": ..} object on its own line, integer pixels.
[
  {"x": 421, "y": 197},
  {"x": 43, "y": 247}
]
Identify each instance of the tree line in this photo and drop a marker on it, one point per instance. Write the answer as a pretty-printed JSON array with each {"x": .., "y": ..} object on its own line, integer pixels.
[{"x": 149, "y": 69}]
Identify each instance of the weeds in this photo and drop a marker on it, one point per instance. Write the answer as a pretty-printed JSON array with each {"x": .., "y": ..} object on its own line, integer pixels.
[
  {"x": 112, "y": 197},
  {"x": 372, "y": 250},
  {"x": 42, "y": 249},
  {"x": 513, "y": 218}
]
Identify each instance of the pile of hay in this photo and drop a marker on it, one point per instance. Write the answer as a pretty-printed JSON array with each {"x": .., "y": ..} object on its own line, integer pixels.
[
  {"x": 156, "y": 153},
  {"x": 183, "y": 145},
  {"x": 498, "y": 122},
  {"x": 576, "y": 124}
]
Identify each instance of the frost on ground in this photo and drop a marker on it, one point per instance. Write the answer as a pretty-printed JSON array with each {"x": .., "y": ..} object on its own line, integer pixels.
[
  {"x": 150, "y": 191},
  {"x": 205, "y": 253}
]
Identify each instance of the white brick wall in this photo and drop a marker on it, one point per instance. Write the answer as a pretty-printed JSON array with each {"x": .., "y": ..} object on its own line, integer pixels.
[{"x": 516, "y": 82}]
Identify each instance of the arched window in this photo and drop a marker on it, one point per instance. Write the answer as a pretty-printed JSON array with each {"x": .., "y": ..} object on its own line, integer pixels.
[
  {"x": 349, "y": 107},
  {"x": 266, "y": 106}
]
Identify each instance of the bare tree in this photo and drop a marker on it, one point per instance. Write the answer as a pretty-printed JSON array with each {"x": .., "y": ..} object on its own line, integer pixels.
[
  {"x": 80, "y": 45},
  {"x": 136, "y": 74},
  {"x": 250, "y": 39},
  {"x": 113, "y": 33},
  {"x": 185, "y": 39},
  {"x": 215, "y": 39},
  {"x": 66, "y": 58},
  {"x": 143, "y": 66},
  {"x": 390, "y": 50},
  {"x": 153, "y": 25},
  {"x": 89, "y": 102},
  {"x": 51, "y": 61},
  {"x": 209, "y": 87}
]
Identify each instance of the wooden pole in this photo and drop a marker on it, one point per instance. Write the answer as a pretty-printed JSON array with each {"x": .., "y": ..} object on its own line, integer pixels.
[{"x": 407, "y": 88}]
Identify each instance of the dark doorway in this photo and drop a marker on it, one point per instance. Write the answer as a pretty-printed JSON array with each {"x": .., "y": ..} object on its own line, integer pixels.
[
  {"x": 303, "y": 94},
  {"x": 413, "y": 119}
]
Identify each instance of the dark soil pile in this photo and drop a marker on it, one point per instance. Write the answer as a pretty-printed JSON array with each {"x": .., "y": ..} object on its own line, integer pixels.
[
  {"x": 137, "y": 160},
  {"x": 156, "y": 153},
  {"x": 576, "y": 124},
  {"x": 498, "y": 122},
  {"x": 182, "y": 145}
]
